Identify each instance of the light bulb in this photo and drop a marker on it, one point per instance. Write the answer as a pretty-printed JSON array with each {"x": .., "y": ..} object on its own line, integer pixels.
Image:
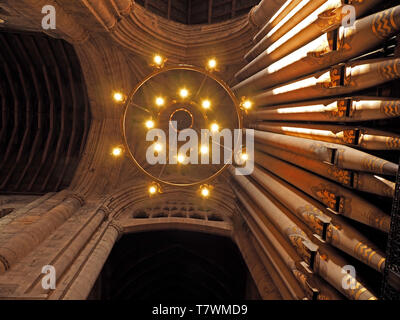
[
  {"x": 158, "y": 60},
  {"x": 205, "y": 192},
  {"x": 150, "y": 124},
  {"x": 181, "y": 158},
  {"x": 206, "y": 104},
  {"x": 118, "y": 97},
  {"x": 214, "y": 127},
  {"x": 212, "y": 64},
  {"x": 204, "y": 149},
  {"x": 184, "y": 93},
  {"x": 158, "y": 147},
  {"x": 160, "y": 101},
  {"x": 247, "y": 104},
  {"x": 244, "y": 156},
  {"x": 152, "y": 190},
  {"x": 116, "y": 152}
]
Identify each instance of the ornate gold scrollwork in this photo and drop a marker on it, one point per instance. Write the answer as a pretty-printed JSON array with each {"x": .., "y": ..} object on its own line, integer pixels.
[
  {"x": 315, "y": 218},
  {"x": 351, "y": 136},
  {"x": 332, "y": 201},
  {"x": 340, "y": 77},
  {"x": 344, "y": 109},
  {"x": 340, "y": 175}
]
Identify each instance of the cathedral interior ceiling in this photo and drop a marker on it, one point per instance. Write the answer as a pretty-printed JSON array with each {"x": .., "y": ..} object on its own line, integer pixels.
[{"x": 322, "y": 190}]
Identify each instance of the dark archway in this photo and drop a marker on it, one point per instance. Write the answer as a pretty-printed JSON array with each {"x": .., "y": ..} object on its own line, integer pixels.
[{"x": 174, "y": 265}]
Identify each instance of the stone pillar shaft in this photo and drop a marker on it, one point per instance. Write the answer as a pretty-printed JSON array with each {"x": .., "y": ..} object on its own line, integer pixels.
[
  {"x": 260, "y": 276},
  {"x": 24, "y": 242},
  {"x": 69, "y": 255},
  {"x": 84, "y": 282}
]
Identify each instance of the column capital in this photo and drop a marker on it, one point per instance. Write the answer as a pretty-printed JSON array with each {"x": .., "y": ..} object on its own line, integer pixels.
[
  {"x": 106, "y": 211},
  {"x": 118, "y": 227},
  {"x": 78, "y": 197}
]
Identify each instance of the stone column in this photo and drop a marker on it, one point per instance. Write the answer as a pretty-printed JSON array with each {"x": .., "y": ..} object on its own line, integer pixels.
[
  {"x": 69, "y": 255},
  {"x": 124, "y": 6},
  {"x": 25, "y": 241},
  {"x": 263, "y": 281},
  {"x": 81, "y": 287},
  {"x": 16, "y": 201}
]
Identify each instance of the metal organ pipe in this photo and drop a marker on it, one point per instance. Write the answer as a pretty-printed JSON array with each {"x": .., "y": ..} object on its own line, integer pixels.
[
  {"x": 341, "y": 156},
  {"x": 288, "y": 6},
  {"x": 333, "y": 47},
  {"x": 332, "y": 195},
  {"x": 350, "y": 109},
  {"x": 365, "y": 138},
  {"x": 339, "y": 80},
  {"x": 308, "y": 251},
  {"x": 261, "y": 13},
  {"x": 351, "y": 179},
  {"x": 300, "y": 72}
]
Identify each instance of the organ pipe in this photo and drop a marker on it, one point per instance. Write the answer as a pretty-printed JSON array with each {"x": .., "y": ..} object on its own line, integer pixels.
[
  {"x": 306, "y": 175},
  {"x": 308, "y": 251},
  {"x": 331, "y": 48},
  {"x": 314, "y": 288},
  {"x": 332, "y": 195},
  {"x": 341, "y": 156},
  {"x": 352, "y": 109},
  {"x": 296, "y": 236},
  {"x": 257, "y": 226},
  {"x": 339, "y": 80},
  {"x": 338, "y": 233},
  {"x": 328, "y": 13},
  {"x": 261, "y": 13},
  {"x": 351, "y": 179},
  {"x": 364, "y": 138},
  {"x": 293, "y": 18},
  {"x": 286, "y": 8}
]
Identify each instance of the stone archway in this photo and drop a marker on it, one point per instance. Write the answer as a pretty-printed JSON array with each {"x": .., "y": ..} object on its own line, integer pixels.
[{"x": 174, "y": 264}]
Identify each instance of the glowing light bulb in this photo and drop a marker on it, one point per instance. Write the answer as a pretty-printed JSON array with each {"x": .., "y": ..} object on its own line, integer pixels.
[
  {"x": 244, "y": 156},
  {"x": 212, "y": 64},
  {"x": 152, "y": 190},
  {"x": 158, "y": 147},
  {"x": 214, "y": 127},
  {"x": 150, "y": 124},
  {"x": 160, "y": 101},
  {"x": 206, "y": 104},
  {"x": 116, "y": 152},
  {"x": 204, "y": 149},
  {"x": 205, "y": 192},
  {"x": 184, "y": 93},
  {"x": 158, "y": 60},
  {"x": 247, "y": 104},
  {"x": 118, "y": 97},
  {"x": 181, "y": 158}
]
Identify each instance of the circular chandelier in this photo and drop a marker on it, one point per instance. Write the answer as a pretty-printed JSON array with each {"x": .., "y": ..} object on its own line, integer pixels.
[{"x": 171, "y": 105}]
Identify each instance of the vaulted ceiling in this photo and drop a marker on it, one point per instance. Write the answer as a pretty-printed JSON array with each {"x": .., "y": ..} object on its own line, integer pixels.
[
  {"x": 44, "y": 111},
  {"x": 198, "y": 11}
]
